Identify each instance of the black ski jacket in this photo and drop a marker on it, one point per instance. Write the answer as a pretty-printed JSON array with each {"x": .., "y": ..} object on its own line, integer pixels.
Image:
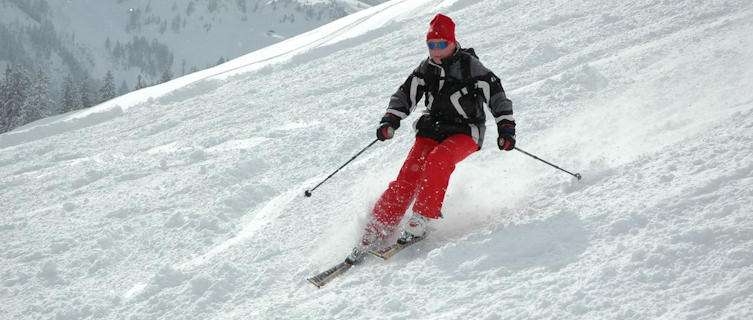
[{"x": 454, "y": 93}]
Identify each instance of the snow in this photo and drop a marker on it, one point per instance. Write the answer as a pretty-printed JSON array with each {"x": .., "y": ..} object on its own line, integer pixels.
[{"x": 185, "y": 200}]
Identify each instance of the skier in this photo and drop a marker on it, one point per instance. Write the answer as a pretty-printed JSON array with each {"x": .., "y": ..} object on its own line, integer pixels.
[{"x": 455, "y": 86}]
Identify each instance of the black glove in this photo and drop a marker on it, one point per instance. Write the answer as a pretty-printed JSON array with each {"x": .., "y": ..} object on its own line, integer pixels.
[
  {"x": 387, "y": 127},
  {"x": 506, "y": 132},
  {"x": 385, "y": 132}
]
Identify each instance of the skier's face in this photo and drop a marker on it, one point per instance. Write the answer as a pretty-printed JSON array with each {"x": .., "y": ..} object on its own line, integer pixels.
[{"x": 440, "y": 49}]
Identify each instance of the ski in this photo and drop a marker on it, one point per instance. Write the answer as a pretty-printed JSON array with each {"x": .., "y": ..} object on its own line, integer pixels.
[
  {"x": 389, "y": 251},
  {"x": 323, "y": 278},
  {"x": 385, "y": 253}
]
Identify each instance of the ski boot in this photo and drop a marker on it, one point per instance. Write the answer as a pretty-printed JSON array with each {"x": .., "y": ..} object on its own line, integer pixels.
[
  {"x": 415, "y": 229},
  {"x": 373, "y": 237}
]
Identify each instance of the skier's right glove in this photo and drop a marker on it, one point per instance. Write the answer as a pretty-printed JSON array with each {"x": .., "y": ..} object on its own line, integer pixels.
[{"x": 387, "y": 127}]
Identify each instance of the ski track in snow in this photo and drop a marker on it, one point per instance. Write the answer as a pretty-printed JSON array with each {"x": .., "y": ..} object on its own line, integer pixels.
[{"x": 185, "y": 200}]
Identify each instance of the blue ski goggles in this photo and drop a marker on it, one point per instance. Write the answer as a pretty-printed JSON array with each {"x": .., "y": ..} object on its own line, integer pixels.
[{"x": 441, "y": 45}]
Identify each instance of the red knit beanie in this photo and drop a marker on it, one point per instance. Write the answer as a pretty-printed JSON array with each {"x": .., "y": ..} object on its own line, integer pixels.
[{"x": 441, "y": 27}]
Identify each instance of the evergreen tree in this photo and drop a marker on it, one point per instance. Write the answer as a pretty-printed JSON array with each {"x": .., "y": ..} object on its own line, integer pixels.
[
  {"x": 123, "y": 89},
  {"x": 17, "y": 89},
  {"x": 69, "y": 102},
  {"x": 3, "y": 98},
  {"x": 107, "y": 91},
  {"x": 140, "y": 84},
  {"x": 118, "y": 51},
  {"x": 166, "y": 76},
  {"x": 37, "y": 104},
  {"x": 83, "y": 92}
]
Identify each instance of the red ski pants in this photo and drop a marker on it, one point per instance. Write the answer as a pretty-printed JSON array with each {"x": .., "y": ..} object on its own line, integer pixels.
[{"x": 423, "y": 178}]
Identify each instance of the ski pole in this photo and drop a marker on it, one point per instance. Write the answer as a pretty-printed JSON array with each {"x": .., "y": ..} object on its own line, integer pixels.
[
  {"x": 308, "y": 192},
  {"x": 577, "y": 175}
]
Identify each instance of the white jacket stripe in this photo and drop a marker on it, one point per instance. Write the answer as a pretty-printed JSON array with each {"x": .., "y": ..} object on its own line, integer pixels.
[
  {"x": 399, "y": 114},
  {"x": 506, "y": 117},
  {"x": 486, "y": 88},
  {"x": 414, "y": 83},
  {"x": 475, "y": 133},
  {"x": 455, "y": 99}
]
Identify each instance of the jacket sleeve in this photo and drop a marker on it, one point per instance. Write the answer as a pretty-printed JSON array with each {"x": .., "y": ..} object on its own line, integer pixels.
[
  {"x": 404, "y": 100},
  {"x": 499, "y": 105}
]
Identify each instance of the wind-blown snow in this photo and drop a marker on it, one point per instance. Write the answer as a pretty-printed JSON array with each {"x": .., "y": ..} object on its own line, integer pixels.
[{"x": 185, "y": 200}]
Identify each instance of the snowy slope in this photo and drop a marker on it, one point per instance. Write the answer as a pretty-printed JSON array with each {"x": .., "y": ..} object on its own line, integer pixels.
[{"x": 185, "y": 200}]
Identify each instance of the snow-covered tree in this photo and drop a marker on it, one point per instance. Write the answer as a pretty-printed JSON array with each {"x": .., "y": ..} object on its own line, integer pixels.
[
  {"x": 84, "y": 93},
  {"x": 69, "y": 102},
  {"x": 37, "y": 104},
  {"x": 107, "y": 91},
  {"x": 3, "y": 97},
  {"x": 16, "y": 91},
  {"x": 123, "y": 89},
  {"x": 140, "y": 84},
  {"x": 166, "y": 76}
]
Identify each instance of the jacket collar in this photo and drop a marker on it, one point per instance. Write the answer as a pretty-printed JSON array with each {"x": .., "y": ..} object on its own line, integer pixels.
[
  {"x": 449, "y": 60},
  {"x": 454, "y": 57}
]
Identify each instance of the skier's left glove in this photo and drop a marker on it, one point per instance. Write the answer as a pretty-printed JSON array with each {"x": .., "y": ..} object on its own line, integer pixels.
[
  {"x": 506, "y": 140},
  {"x": 387, "y": 127}
]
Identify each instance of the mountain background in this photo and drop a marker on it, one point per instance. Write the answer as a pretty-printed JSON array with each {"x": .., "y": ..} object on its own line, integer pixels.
[{"x": 142, "y": 42}]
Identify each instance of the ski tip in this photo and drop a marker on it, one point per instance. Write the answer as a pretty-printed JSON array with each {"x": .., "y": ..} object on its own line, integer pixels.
[
  {"x": 316, "y": 284},
  {"x": 325, "y": 277}
]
